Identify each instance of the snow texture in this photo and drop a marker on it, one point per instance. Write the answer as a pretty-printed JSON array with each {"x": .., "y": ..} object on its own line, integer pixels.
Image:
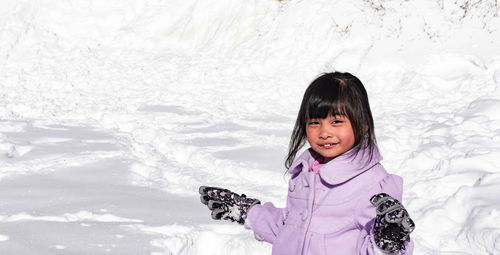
[{"x": 113, "y": 113}]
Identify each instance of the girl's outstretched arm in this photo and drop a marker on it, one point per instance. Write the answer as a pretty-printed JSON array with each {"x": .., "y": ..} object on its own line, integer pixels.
[
  {"x": 384, "y": 222},
  {"x": 266, "y": 221}
]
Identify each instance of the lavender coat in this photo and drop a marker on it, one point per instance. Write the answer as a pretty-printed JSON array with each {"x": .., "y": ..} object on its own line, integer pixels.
[{"x": 330, "y": 212}]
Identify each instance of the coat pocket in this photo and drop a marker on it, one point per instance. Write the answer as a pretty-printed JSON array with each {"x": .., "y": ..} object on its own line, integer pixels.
[{"x": 342, "y": 241}]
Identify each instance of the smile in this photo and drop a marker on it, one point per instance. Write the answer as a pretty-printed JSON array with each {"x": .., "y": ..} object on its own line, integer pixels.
[{"x": 327, "y": 145}]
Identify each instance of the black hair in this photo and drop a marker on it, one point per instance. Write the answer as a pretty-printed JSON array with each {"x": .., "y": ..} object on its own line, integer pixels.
[{"x": 334, "y": 94}]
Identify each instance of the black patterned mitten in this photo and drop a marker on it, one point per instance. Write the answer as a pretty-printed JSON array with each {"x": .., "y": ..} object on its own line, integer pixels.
[
  {"x": 225, "y": 204},
  {"x": 392, "y": 226}
]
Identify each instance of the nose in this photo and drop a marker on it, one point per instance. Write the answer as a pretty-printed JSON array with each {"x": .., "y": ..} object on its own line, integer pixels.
[{"x": 325, "y": 132}]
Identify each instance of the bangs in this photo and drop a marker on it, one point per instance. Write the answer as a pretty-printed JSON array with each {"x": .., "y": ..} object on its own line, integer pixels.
[{"x": 322, "y": 102}]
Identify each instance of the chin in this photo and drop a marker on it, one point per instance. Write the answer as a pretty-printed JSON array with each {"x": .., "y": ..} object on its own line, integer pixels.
[{"x": 330, "y": 156}]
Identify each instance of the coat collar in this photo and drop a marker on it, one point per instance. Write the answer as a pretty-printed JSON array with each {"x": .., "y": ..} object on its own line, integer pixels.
[{"x": 339, "y": 169}]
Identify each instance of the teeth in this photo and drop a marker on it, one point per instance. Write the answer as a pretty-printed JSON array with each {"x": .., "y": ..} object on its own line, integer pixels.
[{"x": 328, "y": 145}]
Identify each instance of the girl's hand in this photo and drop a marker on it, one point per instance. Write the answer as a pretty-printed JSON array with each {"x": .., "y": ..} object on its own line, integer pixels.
[
  {"x": 393, "y": 225},
  {"x": 225, "y": 204}
]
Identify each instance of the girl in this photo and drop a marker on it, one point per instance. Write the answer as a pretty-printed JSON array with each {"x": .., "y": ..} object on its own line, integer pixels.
[{"x": 340, "y": 198}]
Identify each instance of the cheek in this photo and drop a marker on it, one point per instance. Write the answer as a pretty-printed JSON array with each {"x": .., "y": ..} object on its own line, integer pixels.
[
  {"x": 309, "y": 134},
  {"x": 348, "y": 137},
  {"x": 309, "y": 138}
]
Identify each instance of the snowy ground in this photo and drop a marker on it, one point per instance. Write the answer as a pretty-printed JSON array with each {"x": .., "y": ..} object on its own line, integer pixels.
[{"x": 112, "y": 113}]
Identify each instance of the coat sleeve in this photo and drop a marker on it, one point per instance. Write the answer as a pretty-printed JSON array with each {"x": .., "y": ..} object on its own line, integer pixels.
[
  {"x": 365, "y": 214},
  {"x": 266, "y": 221}
]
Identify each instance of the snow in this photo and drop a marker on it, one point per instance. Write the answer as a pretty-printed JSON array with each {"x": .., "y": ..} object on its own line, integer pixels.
[{"x": 113, "y": 113}]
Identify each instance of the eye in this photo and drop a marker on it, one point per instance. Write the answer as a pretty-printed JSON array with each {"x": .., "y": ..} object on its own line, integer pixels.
[
  {"x": 338, "y": 119},
  {"x": 313, "y": 122}
]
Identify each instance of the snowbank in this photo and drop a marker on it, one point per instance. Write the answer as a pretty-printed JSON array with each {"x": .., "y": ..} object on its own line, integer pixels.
[{"x": 171, "y": 95}]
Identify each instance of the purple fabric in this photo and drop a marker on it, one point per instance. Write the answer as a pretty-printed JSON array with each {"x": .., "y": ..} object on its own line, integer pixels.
[{"x": 330, "y": 212}]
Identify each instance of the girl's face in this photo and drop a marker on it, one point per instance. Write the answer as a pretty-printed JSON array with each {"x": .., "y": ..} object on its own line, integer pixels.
[{"x": 331, "y": 136}]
